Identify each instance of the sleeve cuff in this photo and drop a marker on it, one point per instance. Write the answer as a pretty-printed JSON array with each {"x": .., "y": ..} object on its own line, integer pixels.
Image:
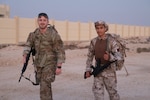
[
  {"x": 60, "y": 61},
  {"x": 88, "y": 69}
]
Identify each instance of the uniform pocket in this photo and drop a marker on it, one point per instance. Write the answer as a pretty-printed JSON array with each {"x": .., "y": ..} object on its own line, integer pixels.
[
  {"x": 50, "y": 59},
  {"x": 48, "y": 74}
]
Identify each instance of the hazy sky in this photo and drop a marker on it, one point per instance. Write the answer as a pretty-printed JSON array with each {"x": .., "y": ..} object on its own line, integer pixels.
[{"x": 132, "y": 12}]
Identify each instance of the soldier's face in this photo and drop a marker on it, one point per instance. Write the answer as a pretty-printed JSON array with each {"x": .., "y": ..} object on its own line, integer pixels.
[
  {"x": 100, "y": 29},
  {"x": 42, "y": 22}
]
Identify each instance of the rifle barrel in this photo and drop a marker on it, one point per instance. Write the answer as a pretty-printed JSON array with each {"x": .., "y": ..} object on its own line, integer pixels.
[{"x": 20, "y": 78}]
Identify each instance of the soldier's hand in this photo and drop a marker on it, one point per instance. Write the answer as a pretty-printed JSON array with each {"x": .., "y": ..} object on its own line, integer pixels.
[
  {"x": 58, "y": 70},
  {"x": 106, "y": 56},
  {"x": 88, "y": 74}
]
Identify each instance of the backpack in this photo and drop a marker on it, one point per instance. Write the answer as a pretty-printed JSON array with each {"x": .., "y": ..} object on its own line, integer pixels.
[{"x": 122, "y": 47}]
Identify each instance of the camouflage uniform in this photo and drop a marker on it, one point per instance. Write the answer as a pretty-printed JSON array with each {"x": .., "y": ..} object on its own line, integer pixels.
[
  {"x": 108, "y": 77},
  {"x": 49, "y": 51}
]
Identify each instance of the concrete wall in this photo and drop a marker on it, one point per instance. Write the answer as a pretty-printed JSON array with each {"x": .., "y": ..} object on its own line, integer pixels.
[
  {"x": 4, "y": 11},
  {"x": 16, "y": 30}
]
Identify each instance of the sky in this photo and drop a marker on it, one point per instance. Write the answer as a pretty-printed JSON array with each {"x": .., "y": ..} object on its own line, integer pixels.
[{"x": 126, "y": 12}]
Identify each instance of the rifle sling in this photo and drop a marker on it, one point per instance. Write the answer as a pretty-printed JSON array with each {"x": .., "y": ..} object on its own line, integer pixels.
[{"x": 30, "y": 80}]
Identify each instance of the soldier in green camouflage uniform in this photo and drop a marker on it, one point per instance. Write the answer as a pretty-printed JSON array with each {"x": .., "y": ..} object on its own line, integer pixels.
[
  {"x": 106, "y": 49},
  {"x": 49, "y": 55}
]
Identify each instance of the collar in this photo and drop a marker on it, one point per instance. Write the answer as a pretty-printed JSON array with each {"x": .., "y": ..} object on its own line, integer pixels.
[
  {"x": 46, "y": 32},
  {"x": 104, "y": 38}
]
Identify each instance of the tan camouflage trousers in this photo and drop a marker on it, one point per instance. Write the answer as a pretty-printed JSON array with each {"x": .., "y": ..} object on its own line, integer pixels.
[
  {"x": 46, "y": 76},
  {"x": 109, "y": 82},
  {"x": 45, "y": 91}
]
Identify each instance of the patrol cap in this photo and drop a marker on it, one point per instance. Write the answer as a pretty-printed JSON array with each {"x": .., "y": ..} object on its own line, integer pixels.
[
  {"x": 97, "y": 23},
  {"x": 43, "y": 14}
]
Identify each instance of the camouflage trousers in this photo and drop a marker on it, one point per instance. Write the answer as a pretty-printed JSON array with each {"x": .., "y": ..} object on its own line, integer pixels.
[
  {"x": 109, "y": 82},
  {"x": 45, "y": 76}
]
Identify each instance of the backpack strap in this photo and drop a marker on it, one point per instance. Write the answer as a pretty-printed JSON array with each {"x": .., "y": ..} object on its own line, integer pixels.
[
  {"x": 52, "y": 27},
  {"x": 107, "y": 42}
]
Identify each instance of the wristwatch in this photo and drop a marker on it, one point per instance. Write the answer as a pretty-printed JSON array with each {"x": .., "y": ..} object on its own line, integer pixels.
[{"x": 59, "y": 67}]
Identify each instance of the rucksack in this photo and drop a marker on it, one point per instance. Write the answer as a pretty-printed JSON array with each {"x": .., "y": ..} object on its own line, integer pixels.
[{"x": 122, "y": 47}]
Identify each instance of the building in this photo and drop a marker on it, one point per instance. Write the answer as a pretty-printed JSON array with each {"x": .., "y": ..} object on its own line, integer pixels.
[{"x": 4, "y": 11}]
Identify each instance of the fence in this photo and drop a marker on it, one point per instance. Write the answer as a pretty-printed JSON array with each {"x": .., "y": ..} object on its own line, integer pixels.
[{"x": 15, "y": 30}]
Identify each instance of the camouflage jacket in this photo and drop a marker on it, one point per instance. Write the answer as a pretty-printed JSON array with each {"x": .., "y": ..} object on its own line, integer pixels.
[
  {"x": 111, "y": 48},
  {"x": 49, "y": 47}
]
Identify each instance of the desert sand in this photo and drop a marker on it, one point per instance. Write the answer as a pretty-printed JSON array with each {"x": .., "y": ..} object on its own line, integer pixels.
[{"x": 71, "y": 85}]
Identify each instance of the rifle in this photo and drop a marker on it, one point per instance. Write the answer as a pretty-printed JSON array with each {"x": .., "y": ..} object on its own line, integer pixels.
[
  {"x": 25, "y": 66},
  {"x": 98, "y": 69}
]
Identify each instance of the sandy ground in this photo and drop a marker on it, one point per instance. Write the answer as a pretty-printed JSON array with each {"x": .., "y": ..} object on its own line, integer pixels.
[{"x": 71, "y": 85}]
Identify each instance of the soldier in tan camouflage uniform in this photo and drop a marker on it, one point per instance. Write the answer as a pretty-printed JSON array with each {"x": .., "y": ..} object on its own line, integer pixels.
[
  {"x": 105, "y": 49},
  {"x": 49, "y": 55}
]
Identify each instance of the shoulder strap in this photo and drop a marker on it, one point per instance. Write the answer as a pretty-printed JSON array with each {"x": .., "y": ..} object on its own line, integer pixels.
[
  {"x": 107, "y": 42},
  {"x": 52, "y": 27}
]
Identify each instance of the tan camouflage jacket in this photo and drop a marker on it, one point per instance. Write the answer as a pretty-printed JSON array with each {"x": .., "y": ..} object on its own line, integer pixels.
[
  {"x": 111, "y": 48},
  {"x": 49, "y": 47}
]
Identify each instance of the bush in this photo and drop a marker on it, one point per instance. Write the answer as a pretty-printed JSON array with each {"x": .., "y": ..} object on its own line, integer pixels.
[{"x": 139, "y": 50}]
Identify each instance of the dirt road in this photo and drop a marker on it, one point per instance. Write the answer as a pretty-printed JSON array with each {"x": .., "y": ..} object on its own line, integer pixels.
[{"x": 71, "y": 85}]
